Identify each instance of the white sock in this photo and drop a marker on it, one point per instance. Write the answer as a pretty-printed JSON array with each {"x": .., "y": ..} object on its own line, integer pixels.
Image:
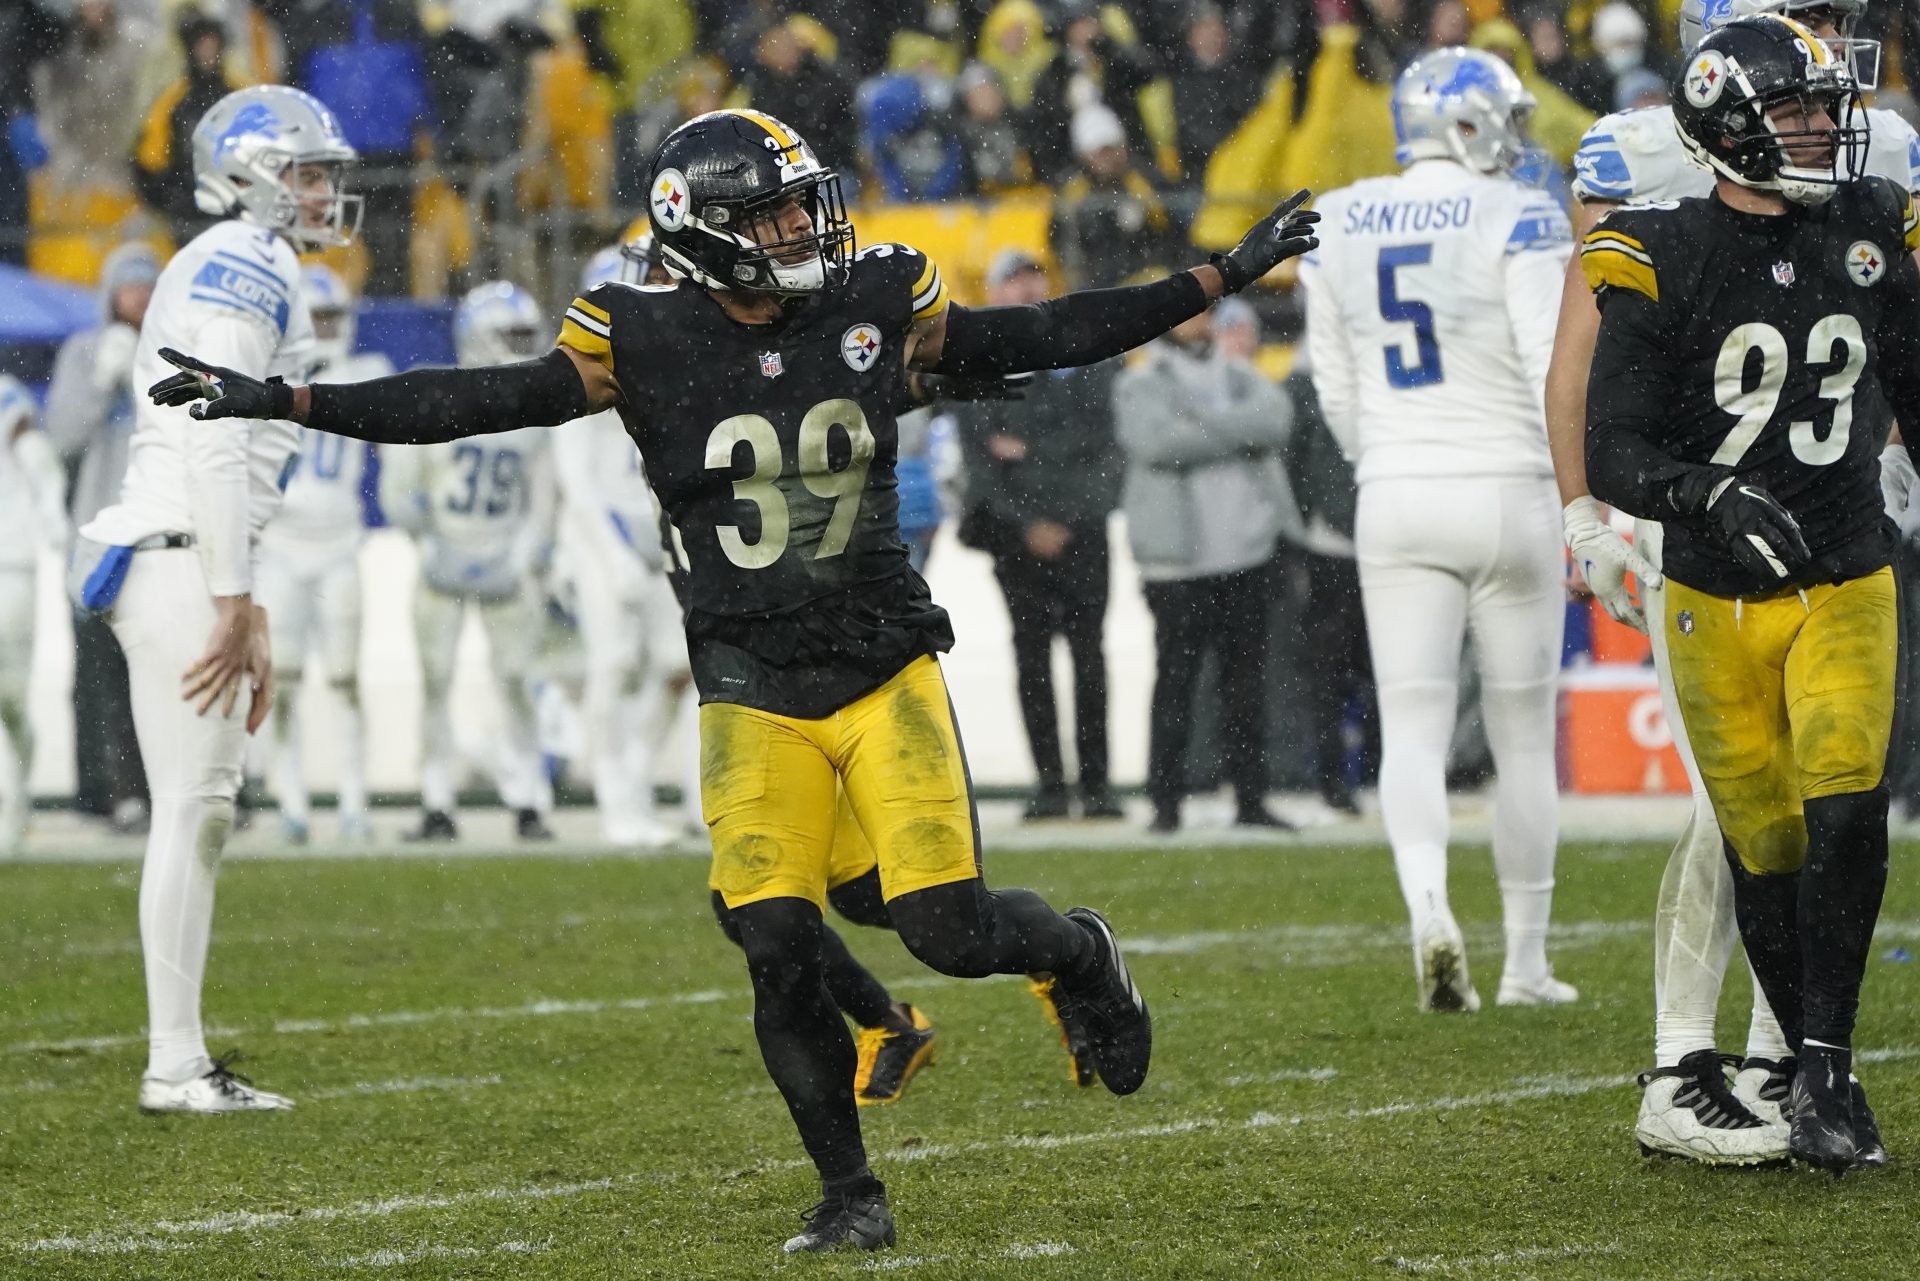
[
  {"x": 1765, "y": 1040},
  {"x": 288, "y": 774},
  {"x": 1416, "y": 723},
  {"x": 1694, "y": 932},
  {"x": 1526, "y": 820},
  {"x": 353, "y": 768},
  {"x": 176, "y": 921},
  {"x": 1423, "y": 883}
]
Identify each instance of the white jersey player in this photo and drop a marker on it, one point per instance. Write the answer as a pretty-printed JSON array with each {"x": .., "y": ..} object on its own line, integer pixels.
[
  {"x": 1687, "y": 1109},
  {"x": 1429, "y": 322},
  {"x": 310, "y": 574},
  {"x": 33, "y": 517},
  {"x": 629, "y": 618},
  {"x": 174, "y": 561},
  {"x": 483, "y": 513}
]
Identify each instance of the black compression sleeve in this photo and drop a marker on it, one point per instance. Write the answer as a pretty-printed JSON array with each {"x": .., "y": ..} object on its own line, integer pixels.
[
  {"x": 426, "y": 406},
  {"x": 1081, "y": 328}
]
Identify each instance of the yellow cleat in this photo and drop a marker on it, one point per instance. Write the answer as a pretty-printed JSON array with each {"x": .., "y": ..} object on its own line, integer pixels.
[
  {"x": 1072, "y": 1035},
  {"x": 888, "y": 1059}
]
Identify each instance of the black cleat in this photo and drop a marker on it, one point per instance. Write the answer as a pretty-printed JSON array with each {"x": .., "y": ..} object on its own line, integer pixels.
[
  {"x": 1099, "y": 803},
  {"x": 860, "y": 1220},
  {"x": 529, "y": 826},
  {"x": 435, "y": 825},
  {"x": 1822, "y": 1110},
  {"x": 889, "y": 1059},
  {"x": 1049, "y": 802},
  {"x": 1869, "y": 1152},
  {"x": 1073, "y": 1033},
  {"x": 1259, "y": 816},
  {"x": 1108, "y": 1005}
]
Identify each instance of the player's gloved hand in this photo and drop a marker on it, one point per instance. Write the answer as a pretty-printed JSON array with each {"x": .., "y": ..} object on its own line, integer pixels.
[
  {"x": 1285, "y": 233},
  {"x": 1605, "y": 559},
  {"x": 228, "y": 393},
  {"x": 1762, "y": 534}
]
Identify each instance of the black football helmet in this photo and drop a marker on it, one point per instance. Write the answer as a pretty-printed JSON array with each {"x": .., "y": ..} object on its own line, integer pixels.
[
  {"x": 1749, "y": 66},
  {"x": 714, "y": 175}
]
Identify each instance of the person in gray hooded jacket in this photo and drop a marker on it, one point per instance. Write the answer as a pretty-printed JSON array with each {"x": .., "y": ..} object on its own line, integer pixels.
[
  {"x": 1208, "y": 504},
  {"x": 90, "y": 421}
]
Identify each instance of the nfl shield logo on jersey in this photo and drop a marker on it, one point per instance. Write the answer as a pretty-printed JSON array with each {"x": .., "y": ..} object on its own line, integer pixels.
[
  {"x": 1686, "y": 622},
  {"x": 770, "y": 366},
  {"x": 860, "y": 347},
  {"x": 1865, "y": 262},
  {"x": 1782, "y": 273}
]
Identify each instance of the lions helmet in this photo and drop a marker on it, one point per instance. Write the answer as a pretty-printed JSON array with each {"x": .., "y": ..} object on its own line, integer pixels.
[
  {"x": 718, "y": 178},
  {"x": 1735, "y": 76},
  {"x": 497, "y": 324},
  {"x": 1701, "y": 18},
  {"x": 334, "y": 320},
  {"x": 634, "y": 261},
  {"x": 1461, "y": 104},
  {"x": 247, "y": 151}
]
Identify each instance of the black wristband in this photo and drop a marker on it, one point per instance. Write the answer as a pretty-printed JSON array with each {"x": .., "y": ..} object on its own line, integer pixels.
[{"x": 425, "y": 406}]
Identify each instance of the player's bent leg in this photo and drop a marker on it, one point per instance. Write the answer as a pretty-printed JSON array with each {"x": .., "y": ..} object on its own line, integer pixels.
[{"x": 193, "y": 766}]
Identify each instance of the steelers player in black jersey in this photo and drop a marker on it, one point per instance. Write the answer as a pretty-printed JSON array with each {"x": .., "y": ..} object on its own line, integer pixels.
[
  {"x": 759, "y": 390},
  {"x": 1756, "y": 346}
]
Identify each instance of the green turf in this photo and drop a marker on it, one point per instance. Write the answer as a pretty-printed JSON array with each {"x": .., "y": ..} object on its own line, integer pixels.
[{"x": 587, "y": 1100}]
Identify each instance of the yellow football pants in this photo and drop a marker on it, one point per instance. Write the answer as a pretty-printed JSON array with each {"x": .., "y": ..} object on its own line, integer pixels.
[
  {"x": 1784, "y": 699},
  {"x": 768, "y": 787}
]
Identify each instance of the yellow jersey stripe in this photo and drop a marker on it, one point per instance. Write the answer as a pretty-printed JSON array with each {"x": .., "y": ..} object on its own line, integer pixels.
[
  {"x": 1911, "y": 226},
  {"x": 1606, "y": 267},
  {"x": 929, "y": 301},
  {"x": 1619, "y": 238},
  {"x": 583, "y": 340},
  {"x": 597, "y": 313},
  {"x": 786, "y": 140}
]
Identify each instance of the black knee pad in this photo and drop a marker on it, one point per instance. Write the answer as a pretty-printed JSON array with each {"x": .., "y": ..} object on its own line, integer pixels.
[
  {"x": 860, "y": 902},
  {"x": 944, "y": 928},
  {"x": 781, "y": 938}
]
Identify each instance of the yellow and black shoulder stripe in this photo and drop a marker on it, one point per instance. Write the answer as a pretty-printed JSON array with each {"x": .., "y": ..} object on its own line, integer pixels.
[
  {"x": 1910, "y": 222},
  {"x": 588, "y": 329},
  {"x": 929, "y": 291},
  {"x": 1613, "y": 259}
]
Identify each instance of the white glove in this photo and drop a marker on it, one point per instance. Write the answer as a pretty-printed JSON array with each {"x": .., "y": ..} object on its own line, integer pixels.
[
  {"x": 1897, "y": 479},
  {"x": 113, "y": 358},
  {"x": 1605, "y": 559}
]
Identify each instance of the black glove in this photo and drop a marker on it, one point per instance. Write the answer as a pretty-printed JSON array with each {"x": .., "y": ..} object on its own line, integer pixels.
[
  {"x": 928, "y": 388},
  {"x": 1285, "y": 233},
  {"x": 228, "y": 393},
  {"x": 1763, "y": 535}
]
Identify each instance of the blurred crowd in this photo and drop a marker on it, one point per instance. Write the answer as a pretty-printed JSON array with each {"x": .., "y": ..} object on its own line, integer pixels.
[{"x": 489, "y": 130}]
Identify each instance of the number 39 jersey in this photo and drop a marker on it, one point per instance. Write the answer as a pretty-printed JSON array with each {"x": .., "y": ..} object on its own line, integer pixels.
[
  {"x": 1759, "y": 343},
  {"x": 772, "y": 451}
]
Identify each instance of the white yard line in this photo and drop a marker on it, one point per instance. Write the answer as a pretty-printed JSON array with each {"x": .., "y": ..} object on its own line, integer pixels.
[
  {"x": 1018, "y": 1251},
  {"x": 400, "y": 1258},
  {"x": 411, "y": 1085},
  {"x": 1441, "y": 1263}
]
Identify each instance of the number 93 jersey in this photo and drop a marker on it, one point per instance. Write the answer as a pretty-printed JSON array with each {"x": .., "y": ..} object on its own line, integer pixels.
[
  {"x": 772, "y": 451},
  {"x": 1756, "y": 342}
]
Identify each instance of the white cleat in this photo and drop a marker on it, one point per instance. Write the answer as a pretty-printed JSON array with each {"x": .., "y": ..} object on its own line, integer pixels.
[
  {"x": 1545, "y": 990},
  {"x": 1442, "y": 971},
  {"x": 213, "y": 1093},
  {"x": 356, "y": 829},
  {"x": 1763, "y": 1085},
  {"x": 1688, "y": 1112}
]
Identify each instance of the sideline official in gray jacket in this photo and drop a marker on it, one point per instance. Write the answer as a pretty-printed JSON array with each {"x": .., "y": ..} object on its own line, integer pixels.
[{"x": 1208, "y": 504}]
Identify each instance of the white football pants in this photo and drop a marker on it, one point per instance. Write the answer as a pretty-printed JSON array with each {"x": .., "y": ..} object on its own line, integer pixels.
[
  {"x": 313, "y": 606},
  {"x": 17, "y": 603},
  {"x": 1694, "y": 929},
  {"x": 637, "y": 671},
  {"x": 163, "y": 618},
  {"x": 513, "y": 630},
  {"x": 1439, "y": 556}
]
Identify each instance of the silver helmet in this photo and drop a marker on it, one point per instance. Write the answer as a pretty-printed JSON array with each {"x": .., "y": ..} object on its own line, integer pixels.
[
  {"x": 633, "y": 261},
  {"x": 1701, "y": 18},
  {"x": 497, "y": 324},
  {"x": 1461, "y": 104},
  {"x": 246, "y": 150}
]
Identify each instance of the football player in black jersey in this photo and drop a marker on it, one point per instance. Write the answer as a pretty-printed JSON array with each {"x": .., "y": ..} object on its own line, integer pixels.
[
  {"x": 1755, "y": 347},
  {"x": 760, "y": 390}
]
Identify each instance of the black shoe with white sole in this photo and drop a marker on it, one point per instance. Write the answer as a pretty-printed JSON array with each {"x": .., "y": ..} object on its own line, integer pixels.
[
  {"x": 1108, "y": 1005},
  {"x": 1869, "y": 1151},
  {"x": 857, "y": 1220}
]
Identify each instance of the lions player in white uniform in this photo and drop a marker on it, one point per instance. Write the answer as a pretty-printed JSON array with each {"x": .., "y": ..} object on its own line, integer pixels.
[
  {"x": 636, "y": 647},
  {"x": 310, "y": 574},
  {"x": 1687, "y": 1108},
  {"x": 174, "y": 561},
  {"x": 1429, "y": 321},
  {"x": 33, "y": 516},
  {"x": 482, "y": 511}
]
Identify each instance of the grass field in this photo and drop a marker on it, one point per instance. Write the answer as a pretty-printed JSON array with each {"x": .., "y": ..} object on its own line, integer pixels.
[{"x": 531, "y": 1068}]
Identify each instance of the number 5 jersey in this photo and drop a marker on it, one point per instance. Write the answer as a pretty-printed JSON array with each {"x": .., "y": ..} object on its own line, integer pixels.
[{"x": 772, "y": 451}]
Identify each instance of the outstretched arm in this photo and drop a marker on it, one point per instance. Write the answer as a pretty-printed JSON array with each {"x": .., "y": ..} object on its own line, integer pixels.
[
  {"x": 1092, "y": 325},
  {"x": 420, "y": 407}
]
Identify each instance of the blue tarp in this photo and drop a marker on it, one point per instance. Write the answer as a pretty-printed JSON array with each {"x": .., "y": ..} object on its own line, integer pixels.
[{"x": 35, "y": 309}]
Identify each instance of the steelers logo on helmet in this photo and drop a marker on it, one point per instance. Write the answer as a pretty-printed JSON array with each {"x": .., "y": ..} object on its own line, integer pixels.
[
  {"x": 860, "y": 347},
  {"x": 1706, "y": 78},
  {"x": 669, "y": 199},
  {"x": 1865, "y": 263}
]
